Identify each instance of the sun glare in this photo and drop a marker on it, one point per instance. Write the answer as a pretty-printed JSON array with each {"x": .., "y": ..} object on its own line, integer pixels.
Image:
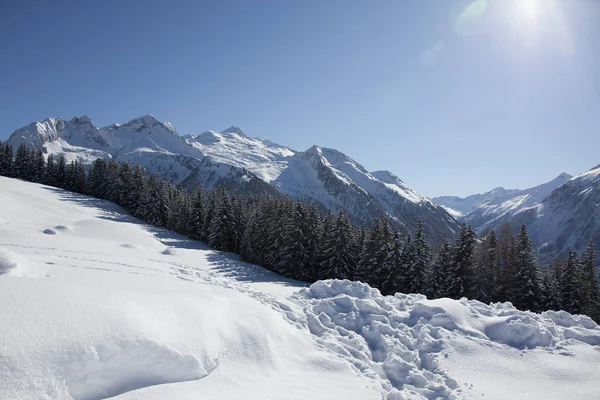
[{"x": 529, "y": 10}]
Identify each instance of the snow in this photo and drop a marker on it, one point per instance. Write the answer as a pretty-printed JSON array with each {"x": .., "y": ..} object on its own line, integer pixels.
[
  {"x": 108, "y": 306},
  {"x": 264, "y": 159},
  {"x": 419, "y": 348},
  {"x": 454, "y": 213},
  {"x": 111, "y": 307}
]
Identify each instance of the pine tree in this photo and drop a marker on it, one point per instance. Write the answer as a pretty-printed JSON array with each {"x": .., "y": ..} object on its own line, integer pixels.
[
  {"x": 418, "y": 270},
  {"x": 124, "y": 188},
  {"x": 441, "y": 269},
  {"x": 392, "y": 266},
  {"x": 570, "y": 284},
  {"x": 138, "y": 191},
  {"x": 505, "y": 270},
  {"x": 50, "y": 178},
  {"x": 61, "y": 172},
  {"x": 222, "y": 227},
  {"x": 551, "y": 295},
  {"x": 156, "y": 207},
  {"x": 247, "y": 248},
  {"x": 339, "y": 258},
  {"x": 590, "y": 289},
  {"x": 313, "y": 235},
  {"x": 527, "y": 278},
  {"x": 21, "y": 166},
  {"x": 370, "y": 268},
  {"x": 197, "y": 219},
  {"x": 114, "y": 184},
  {"x": 460, "y": 281},
  {"x": 485, "y": 281},
  {"x": 293, "y": 257},
  {"x": 97, "y": 178},
  {"x": 6, "y": 160},
  {"x": 397, "y": 280},
  {"x": 38, "y": 167}
]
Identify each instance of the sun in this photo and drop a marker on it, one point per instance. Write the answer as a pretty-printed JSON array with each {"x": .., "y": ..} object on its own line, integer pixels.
[{"x": 528, "y": 10}]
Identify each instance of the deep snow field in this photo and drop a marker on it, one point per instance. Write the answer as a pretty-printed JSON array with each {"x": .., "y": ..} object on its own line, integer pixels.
[{"x": 96, "y": 304}]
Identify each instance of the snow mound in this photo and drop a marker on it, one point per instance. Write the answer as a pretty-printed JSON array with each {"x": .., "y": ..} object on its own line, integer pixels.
[
  {"x": 401, "y": 341},
  {"x": 7, "y": 262},
  {"x": 108, "y": 371},
  {"x": 50, "y": 231}
]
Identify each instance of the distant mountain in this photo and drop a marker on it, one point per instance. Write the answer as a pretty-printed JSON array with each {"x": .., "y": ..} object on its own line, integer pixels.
[
  {"x": 491, "y": 209},
  {"x": 567, "y": 218},
  {"x": 245, "y": 165},
  {"x": 560, "y": 215},
  {"x": 461, "y": 206}
]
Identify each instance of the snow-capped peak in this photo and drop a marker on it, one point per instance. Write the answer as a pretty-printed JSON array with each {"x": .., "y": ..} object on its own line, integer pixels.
[{"x": 236, "y": 130}]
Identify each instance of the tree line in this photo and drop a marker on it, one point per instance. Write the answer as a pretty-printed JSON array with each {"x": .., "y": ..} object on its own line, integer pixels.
[{"x": 301, "y": 241}]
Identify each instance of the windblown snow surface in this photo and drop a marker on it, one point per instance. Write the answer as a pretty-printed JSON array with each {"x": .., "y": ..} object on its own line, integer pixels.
[{"x": 96, "y": 304}]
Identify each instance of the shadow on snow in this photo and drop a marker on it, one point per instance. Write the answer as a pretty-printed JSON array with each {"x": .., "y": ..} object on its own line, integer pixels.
[{"x": 227, "y": 264}]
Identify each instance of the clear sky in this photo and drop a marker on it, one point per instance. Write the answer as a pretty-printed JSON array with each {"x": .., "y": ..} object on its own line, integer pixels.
[{"x": 454, "y": 97}]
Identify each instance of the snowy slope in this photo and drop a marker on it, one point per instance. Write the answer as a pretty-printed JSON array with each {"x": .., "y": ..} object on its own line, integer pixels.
[
  {"x": 263, "y": 158},
  {"x": 96, "y": 304},
  {"x": 245, "y": 165}
]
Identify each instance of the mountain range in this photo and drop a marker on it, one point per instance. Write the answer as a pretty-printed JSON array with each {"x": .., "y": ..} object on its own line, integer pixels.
[
  {"x": 244, "y": 165},
  {"x": 560, "y": 215}
]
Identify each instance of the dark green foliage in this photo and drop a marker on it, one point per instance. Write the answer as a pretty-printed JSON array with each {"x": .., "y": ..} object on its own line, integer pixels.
[
  {"x": 339, "y": 257},
  {"x": 570, "y": 284},
  {"x": 589, "y": 284},
  {"x": 527, "y": 285},
  {"x": 461, "y": 281}
]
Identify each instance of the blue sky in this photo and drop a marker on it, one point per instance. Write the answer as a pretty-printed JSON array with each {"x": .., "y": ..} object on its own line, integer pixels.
[{"x": 455, "y": 97}]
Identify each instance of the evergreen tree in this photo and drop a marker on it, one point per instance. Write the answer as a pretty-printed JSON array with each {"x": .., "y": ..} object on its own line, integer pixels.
[
  {"x": 392, "y": 267},
  {"x": 485, "y": 287},
  {"x": 222, "y": 227},
  {"x": 398, "y": 277},
  {"x": 97, "y": 179},
  {"x": 590, "y": 289},
  {"x": 371, "y": 265},
  {"x": 156, "y": 207},
  {"x": 21, "y": 166},
  {"x": 61, "y": 172},
  {"x": 313, "y": 236},
  {"x": 505, "y": 270},
  {"x": 460, "y": 281},
  {"x": 293, "y": 260},
  {"x": 197, "y": 218},
  {"x": 441, "y": 270},
  {"x": 570, "y": 284},
  {"x": 527, "y": 278},
  {"x": 419, "y": 265},
  {"x": 138, "y": 191},
  {"x": 6, "y": 160},
  {"x": 339, "y": 258},
  {"x": 551, "y": 295},
  {"x": 50, "y": 178}
]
